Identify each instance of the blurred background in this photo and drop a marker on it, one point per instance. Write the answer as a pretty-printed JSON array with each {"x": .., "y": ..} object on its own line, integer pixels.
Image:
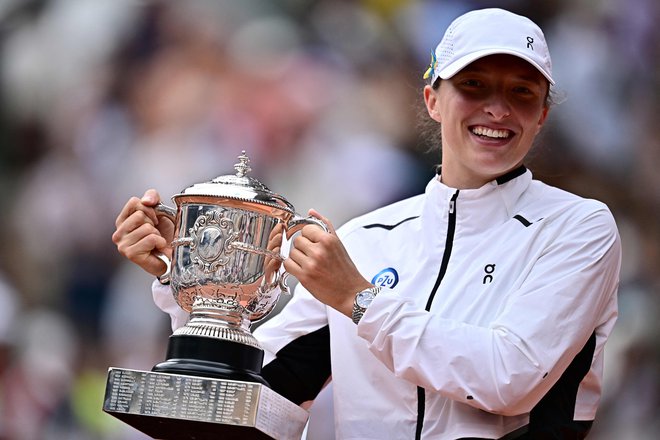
[{"x": 100, "y": 100}]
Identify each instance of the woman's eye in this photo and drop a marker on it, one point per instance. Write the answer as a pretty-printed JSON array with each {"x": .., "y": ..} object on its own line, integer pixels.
[
  {"x": 471, "y": 83},
  {"x": 523, "y": 90}
]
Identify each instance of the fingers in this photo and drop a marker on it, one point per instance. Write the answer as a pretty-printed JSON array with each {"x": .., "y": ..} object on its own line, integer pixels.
[
  {"x": 293, "y": 264},
  {"x": 275, "y": 237},
  {"x": 139, "y": 233},
  {"x": 136, "y": 219},
  {"x": 133, "y": 205},
  {"x": 146, "y": 204},
  {"x": 314, "y": 213},
  {"x": 316, "y": 253},
  {"x": 303, "y": 265},
  {"x": 273, "y": 264},
  {"x": 314, "y": 245},
  {"x": 311, "y": 241},
  {"x": 135, "y": 229},
  {"x": 314, "y": 233},
  {"x": 138, "y": 245}
]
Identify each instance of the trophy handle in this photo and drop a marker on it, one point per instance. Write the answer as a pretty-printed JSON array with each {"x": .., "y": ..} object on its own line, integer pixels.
[
  {"x": 298, "y": 222},
  {"x": 284, "y": 286},
  {"x": 164, "y": 278},
  {"x": 170, "y": 213}
]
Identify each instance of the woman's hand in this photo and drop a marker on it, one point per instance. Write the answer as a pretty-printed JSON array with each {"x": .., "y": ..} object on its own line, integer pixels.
[
  {"x": 142, "y": 232},
  {"x": 320, "y": 262}
]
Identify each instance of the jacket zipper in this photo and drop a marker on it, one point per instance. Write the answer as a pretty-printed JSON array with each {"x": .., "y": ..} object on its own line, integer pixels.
[{"x": 451, "y": 228}]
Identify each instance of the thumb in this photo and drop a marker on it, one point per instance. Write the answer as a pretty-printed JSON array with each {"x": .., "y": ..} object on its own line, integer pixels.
[
  {"x": 150, "y": 197},
  {"x": 314, "y": 213}
]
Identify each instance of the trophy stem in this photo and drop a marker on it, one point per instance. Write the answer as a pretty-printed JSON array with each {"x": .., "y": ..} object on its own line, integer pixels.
[{"x": 211, "y": 357}]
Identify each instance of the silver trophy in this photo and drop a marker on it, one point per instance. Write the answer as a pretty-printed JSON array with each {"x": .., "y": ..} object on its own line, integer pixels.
[{"x": 226, "y": 272}]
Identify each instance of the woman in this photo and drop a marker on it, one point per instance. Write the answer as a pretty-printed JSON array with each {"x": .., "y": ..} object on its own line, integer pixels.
[{"x": 478, "y": 309}]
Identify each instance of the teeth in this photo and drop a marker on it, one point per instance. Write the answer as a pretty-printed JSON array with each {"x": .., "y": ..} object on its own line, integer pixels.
[{"x": 489, "y": 132}]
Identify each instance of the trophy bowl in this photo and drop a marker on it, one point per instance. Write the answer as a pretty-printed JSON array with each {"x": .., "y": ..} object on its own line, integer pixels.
[{"x": 226, "y": 272}]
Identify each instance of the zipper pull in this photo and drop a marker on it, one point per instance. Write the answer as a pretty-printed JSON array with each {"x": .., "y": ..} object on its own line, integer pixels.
[{"x": 452, "y": 202}]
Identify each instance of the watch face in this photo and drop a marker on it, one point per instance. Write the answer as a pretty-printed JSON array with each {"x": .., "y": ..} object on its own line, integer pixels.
[{"x": 363, "y": 299}]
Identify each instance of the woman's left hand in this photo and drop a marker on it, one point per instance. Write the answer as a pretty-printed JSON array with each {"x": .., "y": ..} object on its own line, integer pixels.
[{"x": 320, "y": 262}]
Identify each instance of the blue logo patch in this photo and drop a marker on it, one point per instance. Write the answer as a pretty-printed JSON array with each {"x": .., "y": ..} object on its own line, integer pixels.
[{"x": 386, "y": 278}]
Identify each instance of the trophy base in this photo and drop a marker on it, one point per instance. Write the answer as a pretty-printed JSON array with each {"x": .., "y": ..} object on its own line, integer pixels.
[
  {"x": 168, "y": 429},
  {"x": 178, "y": 407},
  {"x": 212, "y": 357}
]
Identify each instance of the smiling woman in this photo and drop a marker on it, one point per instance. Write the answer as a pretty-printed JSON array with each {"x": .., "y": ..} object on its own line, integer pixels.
[{"x": 478, "y": 309}]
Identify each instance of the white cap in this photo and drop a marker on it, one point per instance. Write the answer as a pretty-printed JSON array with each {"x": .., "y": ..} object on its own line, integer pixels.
[{"x": 484, "y": 32}]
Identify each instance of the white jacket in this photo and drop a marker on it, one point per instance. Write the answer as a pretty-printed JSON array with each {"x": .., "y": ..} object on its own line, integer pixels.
[{"x": 495, "y": 297}]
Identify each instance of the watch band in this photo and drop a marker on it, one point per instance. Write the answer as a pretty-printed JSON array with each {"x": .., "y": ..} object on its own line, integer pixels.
[{"x": 358, "y": 310}]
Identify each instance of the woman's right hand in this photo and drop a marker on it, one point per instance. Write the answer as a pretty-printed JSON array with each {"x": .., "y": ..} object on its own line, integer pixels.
[{"x": 142, "y": 232}]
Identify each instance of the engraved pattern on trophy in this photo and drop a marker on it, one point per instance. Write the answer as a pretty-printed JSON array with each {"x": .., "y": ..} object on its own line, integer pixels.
[{"x": 212, "y": 236}]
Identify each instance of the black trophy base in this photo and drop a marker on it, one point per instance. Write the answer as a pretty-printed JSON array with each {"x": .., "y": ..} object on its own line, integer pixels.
[{"x": 212, "y": 357}]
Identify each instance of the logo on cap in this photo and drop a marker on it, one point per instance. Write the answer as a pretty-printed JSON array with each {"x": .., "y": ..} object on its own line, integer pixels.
[{"x": 530, "y": 40}]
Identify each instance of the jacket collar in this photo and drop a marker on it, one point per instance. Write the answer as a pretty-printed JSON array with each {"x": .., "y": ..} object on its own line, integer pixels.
[
  {"x": 516, "y": 172},
  {"x": 476, "y": 209}
]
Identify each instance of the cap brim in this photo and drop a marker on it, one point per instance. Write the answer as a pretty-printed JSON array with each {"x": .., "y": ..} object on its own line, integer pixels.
[{"x": 454, "y": 67}]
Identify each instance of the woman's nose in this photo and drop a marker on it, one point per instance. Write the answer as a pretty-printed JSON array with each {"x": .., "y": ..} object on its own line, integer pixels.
[{"x": 497, "y": 106}]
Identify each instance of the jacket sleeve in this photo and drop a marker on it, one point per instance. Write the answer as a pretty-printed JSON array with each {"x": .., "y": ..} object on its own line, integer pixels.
[
  {"x": 296, "y": 342},
  {"x": 164, "y": 300},
  {"x": 509, "y": 365}
]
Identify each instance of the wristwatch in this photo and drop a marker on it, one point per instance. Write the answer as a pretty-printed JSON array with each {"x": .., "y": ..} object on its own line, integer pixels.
[{"x": 362, "y": 300}]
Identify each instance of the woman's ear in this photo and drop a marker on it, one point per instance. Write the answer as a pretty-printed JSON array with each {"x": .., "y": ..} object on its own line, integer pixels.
[{"x": 432, "y": 103}]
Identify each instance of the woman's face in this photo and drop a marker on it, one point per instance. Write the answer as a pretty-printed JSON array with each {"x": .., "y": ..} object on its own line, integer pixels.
[{"x": 490, "y": 112}]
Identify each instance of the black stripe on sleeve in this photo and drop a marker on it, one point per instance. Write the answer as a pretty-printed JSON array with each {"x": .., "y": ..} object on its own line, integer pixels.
[
  {"x": 388, "y": 227},
  {"x": 302, "y": 367}
]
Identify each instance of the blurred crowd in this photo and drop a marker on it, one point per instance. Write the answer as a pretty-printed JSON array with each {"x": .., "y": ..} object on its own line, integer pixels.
[{"x": 100, "y": 100}]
